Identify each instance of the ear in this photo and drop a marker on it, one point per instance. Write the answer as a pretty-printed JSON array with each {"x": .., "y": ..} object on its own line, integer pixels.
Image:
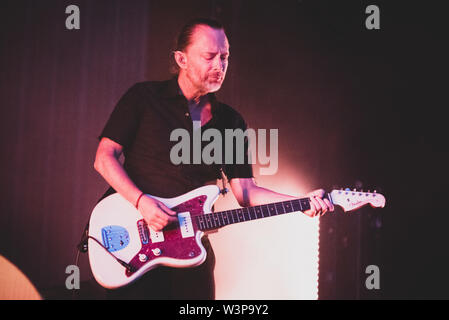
[{"x": 181, "y": 59}]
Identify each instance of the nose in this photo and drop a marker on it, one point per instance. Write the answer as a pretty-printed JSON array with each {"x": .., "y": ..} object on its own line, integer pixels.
[{"x": 219, "y": 64}]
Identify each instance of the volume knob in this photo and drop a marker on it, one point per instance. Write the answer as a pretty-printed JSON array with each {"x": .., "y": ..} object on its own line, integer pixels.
[
  {"x": 143, "y": 257},
  {"x": 157, "y": 251}
]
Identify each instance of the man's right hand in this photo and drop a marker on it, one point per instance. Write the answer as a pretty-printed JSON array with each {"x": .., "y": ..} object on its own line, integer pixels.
[{"x": 155, "y": 213}]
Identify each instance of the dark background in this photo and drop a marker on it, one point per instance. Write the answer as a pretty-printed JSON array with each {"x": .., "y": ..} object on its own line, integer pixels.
[{"x": 354, "y": 107}]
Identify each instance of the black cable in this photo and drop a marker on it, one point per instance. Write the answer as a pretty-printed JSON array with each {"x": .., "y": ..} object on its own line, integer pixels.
[
  {"x": 76, "y": 264},
  {"x": 129, "y": 267}
]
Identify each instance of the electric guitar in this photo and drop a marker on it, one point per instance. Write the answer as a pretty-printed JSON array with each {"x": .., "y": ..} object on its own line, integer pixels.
[{"x": 122, "y": 247}]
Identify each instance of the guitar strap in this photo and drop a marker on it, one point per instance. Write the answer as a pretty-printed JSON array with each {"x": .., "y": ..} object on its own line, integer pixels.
[{"x": 224, "y": 190}]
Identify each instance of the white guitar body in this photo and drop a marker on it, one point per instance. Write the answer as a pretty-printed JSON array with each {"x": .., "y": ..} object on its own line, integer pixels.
[
  {"x": 122, "y": 247},
  {"x": 114, "y": 215}
]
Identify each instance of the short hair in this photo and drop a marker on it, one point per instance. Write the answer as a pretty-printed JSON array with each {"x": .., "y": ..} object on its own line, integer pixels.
[{"x": 184, "y": 38}]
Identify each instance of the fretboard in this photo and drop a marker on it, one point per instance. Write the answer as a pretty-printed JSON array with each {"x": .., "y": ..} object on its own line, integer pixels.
[{"x": 220, "y": 219}]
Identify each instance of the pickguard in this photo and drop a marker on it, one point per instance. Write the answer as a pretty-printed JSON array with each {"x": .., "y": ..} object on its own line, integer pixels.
[{"x": 176, "y": 241}]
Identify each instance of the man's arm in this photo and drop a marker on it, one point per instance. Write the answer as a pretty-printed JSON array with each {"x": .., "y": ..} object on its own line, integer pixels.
[
  {"x": 107, "y": 163},
  {"x": 248, "y": 193}
]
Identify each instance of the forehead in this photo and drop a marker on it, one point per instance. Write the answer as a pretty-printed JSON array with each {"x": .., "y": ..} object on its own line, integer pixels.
[{"x": 207, "y": 39}]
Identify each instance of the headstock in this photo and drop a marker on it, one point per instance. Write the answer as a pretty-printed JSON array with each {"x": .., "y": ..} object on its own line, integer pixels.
[{"x": 352, "y": 199}]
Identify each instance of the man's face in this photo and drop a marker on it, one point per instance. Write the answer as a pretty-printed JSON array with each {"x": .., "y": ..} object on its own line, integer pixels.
[{"x": 207, "y": 59}]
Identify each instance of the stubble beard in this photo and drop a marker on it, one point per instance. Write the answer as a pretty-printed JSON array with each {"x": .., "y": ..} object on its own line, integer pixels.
[
  {"x": 207, "y": 84},
  {"x": 213, "y": 84}
]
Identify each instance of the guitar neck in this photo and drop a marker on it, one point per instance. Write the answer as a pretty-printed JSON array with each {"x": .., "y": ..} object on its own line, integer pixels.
[{"x": 215, "y": 220}]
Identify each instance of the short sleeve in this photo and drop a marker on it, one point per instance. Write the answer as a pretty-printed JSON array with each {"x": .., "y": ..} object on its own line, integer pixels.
[
  {"x": 235, "y": 170},
  {"x": 123, "y": 122}
]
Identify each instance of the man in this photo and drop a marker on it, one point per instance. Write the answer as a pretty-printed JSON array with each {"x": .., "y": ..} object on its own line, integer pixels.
[{"x": 140, "y": 126}]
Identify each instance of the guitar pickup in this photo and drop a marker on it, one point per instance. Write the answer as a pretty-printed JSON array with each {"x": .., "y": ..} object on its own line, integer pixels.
[
  {"x": 143, "y": 231},
  {"x": 185, "y": 224}
]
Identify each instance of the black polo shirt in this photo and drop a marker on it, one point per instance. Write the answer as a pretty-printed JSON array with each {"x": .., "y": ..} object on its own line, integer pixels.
[{"x": 142, "y": 122}]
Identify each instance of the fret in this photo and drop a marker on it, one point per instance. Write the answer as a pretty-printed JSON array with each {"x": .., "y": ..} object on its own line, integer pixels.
[
  {"x": 258, "y": 212},
  {"x": 235, "y": 215},
  {"x": 272, "y": 209},
  {"x": 265, "y": 211},
  {"x": 203, "y": 219},
  {"x": 231, "y": 213},
  {"x": 201, "y": 222},
  {"x": 279, "y": 207},
  {"x": 208, "y": 222},
  {"x": 240, "y": 215},
  {"x": 212, "y": 221},
  {"x": 252, "y": 213},
  {"x": 246, "y": 214},
  {"x": 232, "y": 218},
  {"x": 296, "y": 205},
  {"x": 225, "y": 217},
  {"x": 217, "y": 221},
  {"x": 221, "y": 215},
  {"x": 287, "y": 205},
  {"x": 305, "y": 204}
]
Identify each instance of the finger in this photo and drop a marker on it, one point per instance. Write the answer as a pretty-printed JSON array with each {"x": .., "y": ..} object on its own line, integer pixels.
[
  {"x": 316, "y": 206},
  {"x": 161, "y": 218},
  {"x": 321, "y": 209},
  {"x": 156, "y": 216},
  {"x": 154, "y": 222},
  {"x": 329, "y": 205},
  {"x": 166, "y": 209},
  {"x": 164, "y": 218},
  {"x": 170, "y": 214},
  {"x": 311, "y": 211},
  {"x": 156, "y": 226},
  {"x": 318, "y": 193},
  {"x": 323, "y": 205}
]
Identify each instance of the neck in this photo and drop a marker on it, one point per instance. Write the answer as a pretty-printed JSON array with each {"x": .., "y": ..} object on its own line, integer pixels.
[
  {"x": 191, "y": 92},
  {"x": 211, "y": 221}
]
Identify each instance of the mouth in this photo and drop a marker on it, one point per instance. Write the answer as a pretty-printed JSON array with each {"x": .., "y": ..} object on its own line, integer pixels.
[
  {"x": 216, "y": 78},
  {"x": 216, "y": 75}
]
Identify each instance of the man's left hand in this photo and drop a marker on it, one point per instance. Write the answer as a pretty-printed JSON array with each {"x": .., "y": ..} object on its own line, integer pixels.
[{"x": 318, "y": 205}]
